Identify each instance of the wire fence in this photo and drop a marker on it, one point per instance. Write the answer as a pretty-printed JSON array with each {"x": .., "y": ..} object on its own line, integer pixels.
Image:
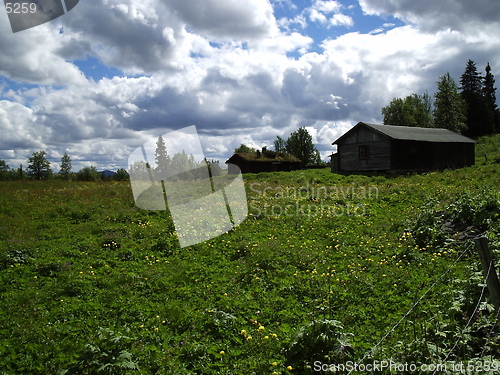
[{"x": 419, "y": 300}]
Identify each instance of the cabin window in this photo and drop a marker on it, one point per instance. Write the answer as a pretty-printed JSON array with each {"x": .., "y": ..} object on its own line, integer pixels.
[{"x": 364, "y": 152}]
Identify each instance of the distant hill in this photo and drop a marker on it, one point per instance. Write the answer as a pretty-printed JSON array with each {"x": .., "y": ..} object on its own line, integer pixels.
[{"x": 107, "y": 173}]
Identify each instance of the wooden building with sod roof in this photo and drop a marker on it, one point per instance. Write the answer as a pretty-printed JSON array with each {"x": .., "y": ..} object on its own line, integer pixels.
[
  {"x": 370, "y": 147},
  {"x": 262, "y": 161}
]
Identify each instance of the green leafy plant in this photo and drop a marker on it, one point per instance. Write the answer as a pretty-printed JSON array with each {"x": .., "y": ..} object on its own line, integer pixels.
[
  {"x": 442, "y": 223},
  {"x": 322, "y": 340},
  {"x": 107, "y": 356}
]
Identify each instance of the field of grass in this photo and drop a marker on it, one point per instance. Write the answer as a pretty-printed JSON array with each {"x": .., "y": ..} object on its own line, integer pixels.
[{"x": 322, "y": 271}]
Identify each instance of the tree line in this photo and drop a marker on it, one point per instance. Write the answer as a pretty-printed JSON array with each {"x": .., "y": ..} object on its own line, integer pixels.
[
  {"x": 298, "y": 144},
  {"x": 179, "y": 167},
  {"x": 39, "y": 169},
  {"x": 469, "y": 108}
]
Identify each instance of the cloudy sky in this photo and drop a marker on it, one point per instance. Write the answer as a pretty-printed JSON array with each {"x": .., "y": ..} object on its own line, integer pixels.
[{"x": 113, "y": 74}]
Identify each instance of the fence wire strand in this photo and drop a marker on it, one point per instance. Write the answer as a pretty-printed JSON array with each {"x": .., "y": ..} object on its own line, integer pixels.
[
  {"x": 490, "y": 332},
  {"x": 472, "y": 315},
  {"x": 414, "y": 305}
]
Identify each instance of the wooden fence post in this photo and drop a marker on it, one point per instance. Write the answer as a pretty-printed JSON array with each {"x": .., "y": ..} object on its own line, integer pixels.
[{"x": 486, "y": 260}]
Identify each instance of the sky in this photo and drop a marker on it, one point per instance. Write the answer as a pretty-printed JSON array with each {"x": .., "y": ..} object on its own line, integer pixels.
[{"x": 110, "y": 75}]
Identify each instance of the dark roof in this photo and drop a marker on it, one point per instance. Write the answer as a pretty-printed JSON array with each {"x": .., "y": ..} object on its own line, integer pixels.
[
  {"x": 266, "y": 156},
  {"x": 407, "y": 133}
]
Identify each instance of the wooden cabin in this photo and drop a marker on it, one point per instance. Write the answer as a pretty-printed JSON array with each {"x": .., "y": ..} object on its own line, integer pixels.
[
  {"x": 262, "y": 161},
  {"x": 370, "y": 147}
]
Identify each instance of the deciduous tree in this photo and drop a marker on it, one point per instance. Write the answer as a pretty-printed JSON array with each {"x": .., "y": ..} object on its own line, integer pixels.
[
  {"x": 244, "y": 149},
  {"x": 39, "y": 166},
  {"x": 88, "y": 174},
  {"x": 300, "y": 145},
  {"x": 414, "y": 110},
  {"x": 121, "y": 175},
  {"x": 279, "y": 144}
]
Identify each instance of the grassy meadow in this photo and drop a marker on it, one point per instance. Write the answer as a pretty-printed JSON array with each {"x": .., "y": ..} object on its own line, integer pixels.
[{"x": 326, "y": 269}]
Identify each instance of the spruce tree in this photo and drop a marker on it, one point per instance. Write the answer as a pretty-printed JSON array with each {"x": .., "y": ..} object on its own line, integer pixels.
[
  {"x": 65, "y": 168},
  {"x": 479, "y": 118},
  {"x": 471, "y": 80},
  {"x": 162, "y": 159},
  {"x": 449, "y": 107},
  {"x": 490, "y": 98},
  {"x": 4, "y": 170},
  {"x": 489, "y": 88}
]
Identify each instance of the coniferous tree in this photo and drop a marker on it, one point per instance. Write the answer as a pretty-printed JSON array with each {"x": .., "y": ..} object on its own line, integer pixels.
[
  {"x": 65, "y": 169},
  {"x": 20, "y": 174},
  {"x": 471, "y": 80},
  {"x": 4, "y": 170},
  {"x": 449, "y": 107},
  {"x": 490, "y": 98},
  {"x": 162, "y": 159},
  {"x": 489, "y": 88},
  {"x": 479, "y": 117}
]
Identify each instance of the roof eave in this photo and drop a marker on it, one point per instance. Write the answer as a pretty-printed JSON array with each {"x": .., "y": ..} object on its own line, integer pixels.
[
  {"x": 361, "y": 123},
  {"x": 465, "y": 139}
]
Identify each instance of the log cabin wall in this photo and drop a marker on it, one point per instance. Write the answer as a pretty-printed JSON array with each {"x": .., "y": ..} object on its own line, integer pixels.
[{"x": 370, "y": 147}]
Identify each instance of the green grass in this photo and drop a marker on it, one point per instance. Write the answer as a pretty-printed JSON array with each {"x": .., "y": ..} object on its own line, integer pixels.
[
  {"x": 321, "y": 270},
  {"x": 488, "y": 149}
]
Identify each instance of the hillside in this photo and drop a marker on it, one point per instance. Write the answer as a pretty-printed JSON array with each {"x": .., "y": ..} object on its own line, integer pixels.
[
  {"x": 488, "y": 149},
  {"x": 326, "y": 269}
]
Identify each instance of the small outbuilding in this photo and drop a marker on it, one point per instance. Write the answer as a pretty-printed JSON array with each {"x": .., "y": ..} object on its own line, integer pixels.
[
  {"x": 262, "y": 161},
  {"x": 370, "y": 147}
]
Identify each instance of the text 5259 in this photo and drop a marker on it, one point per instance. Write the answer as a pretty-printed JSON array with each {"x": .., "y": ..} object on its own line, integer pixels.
[{"x": 20, "y": 8}]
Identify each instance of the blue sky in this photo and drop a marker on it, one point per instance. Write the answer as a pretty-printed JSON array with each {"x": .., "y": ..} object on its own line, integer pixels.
[
  {"x": 95, "y": 70},
  {"x": 320, "y": 31},
  {"x": 108, "y": 76}
]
